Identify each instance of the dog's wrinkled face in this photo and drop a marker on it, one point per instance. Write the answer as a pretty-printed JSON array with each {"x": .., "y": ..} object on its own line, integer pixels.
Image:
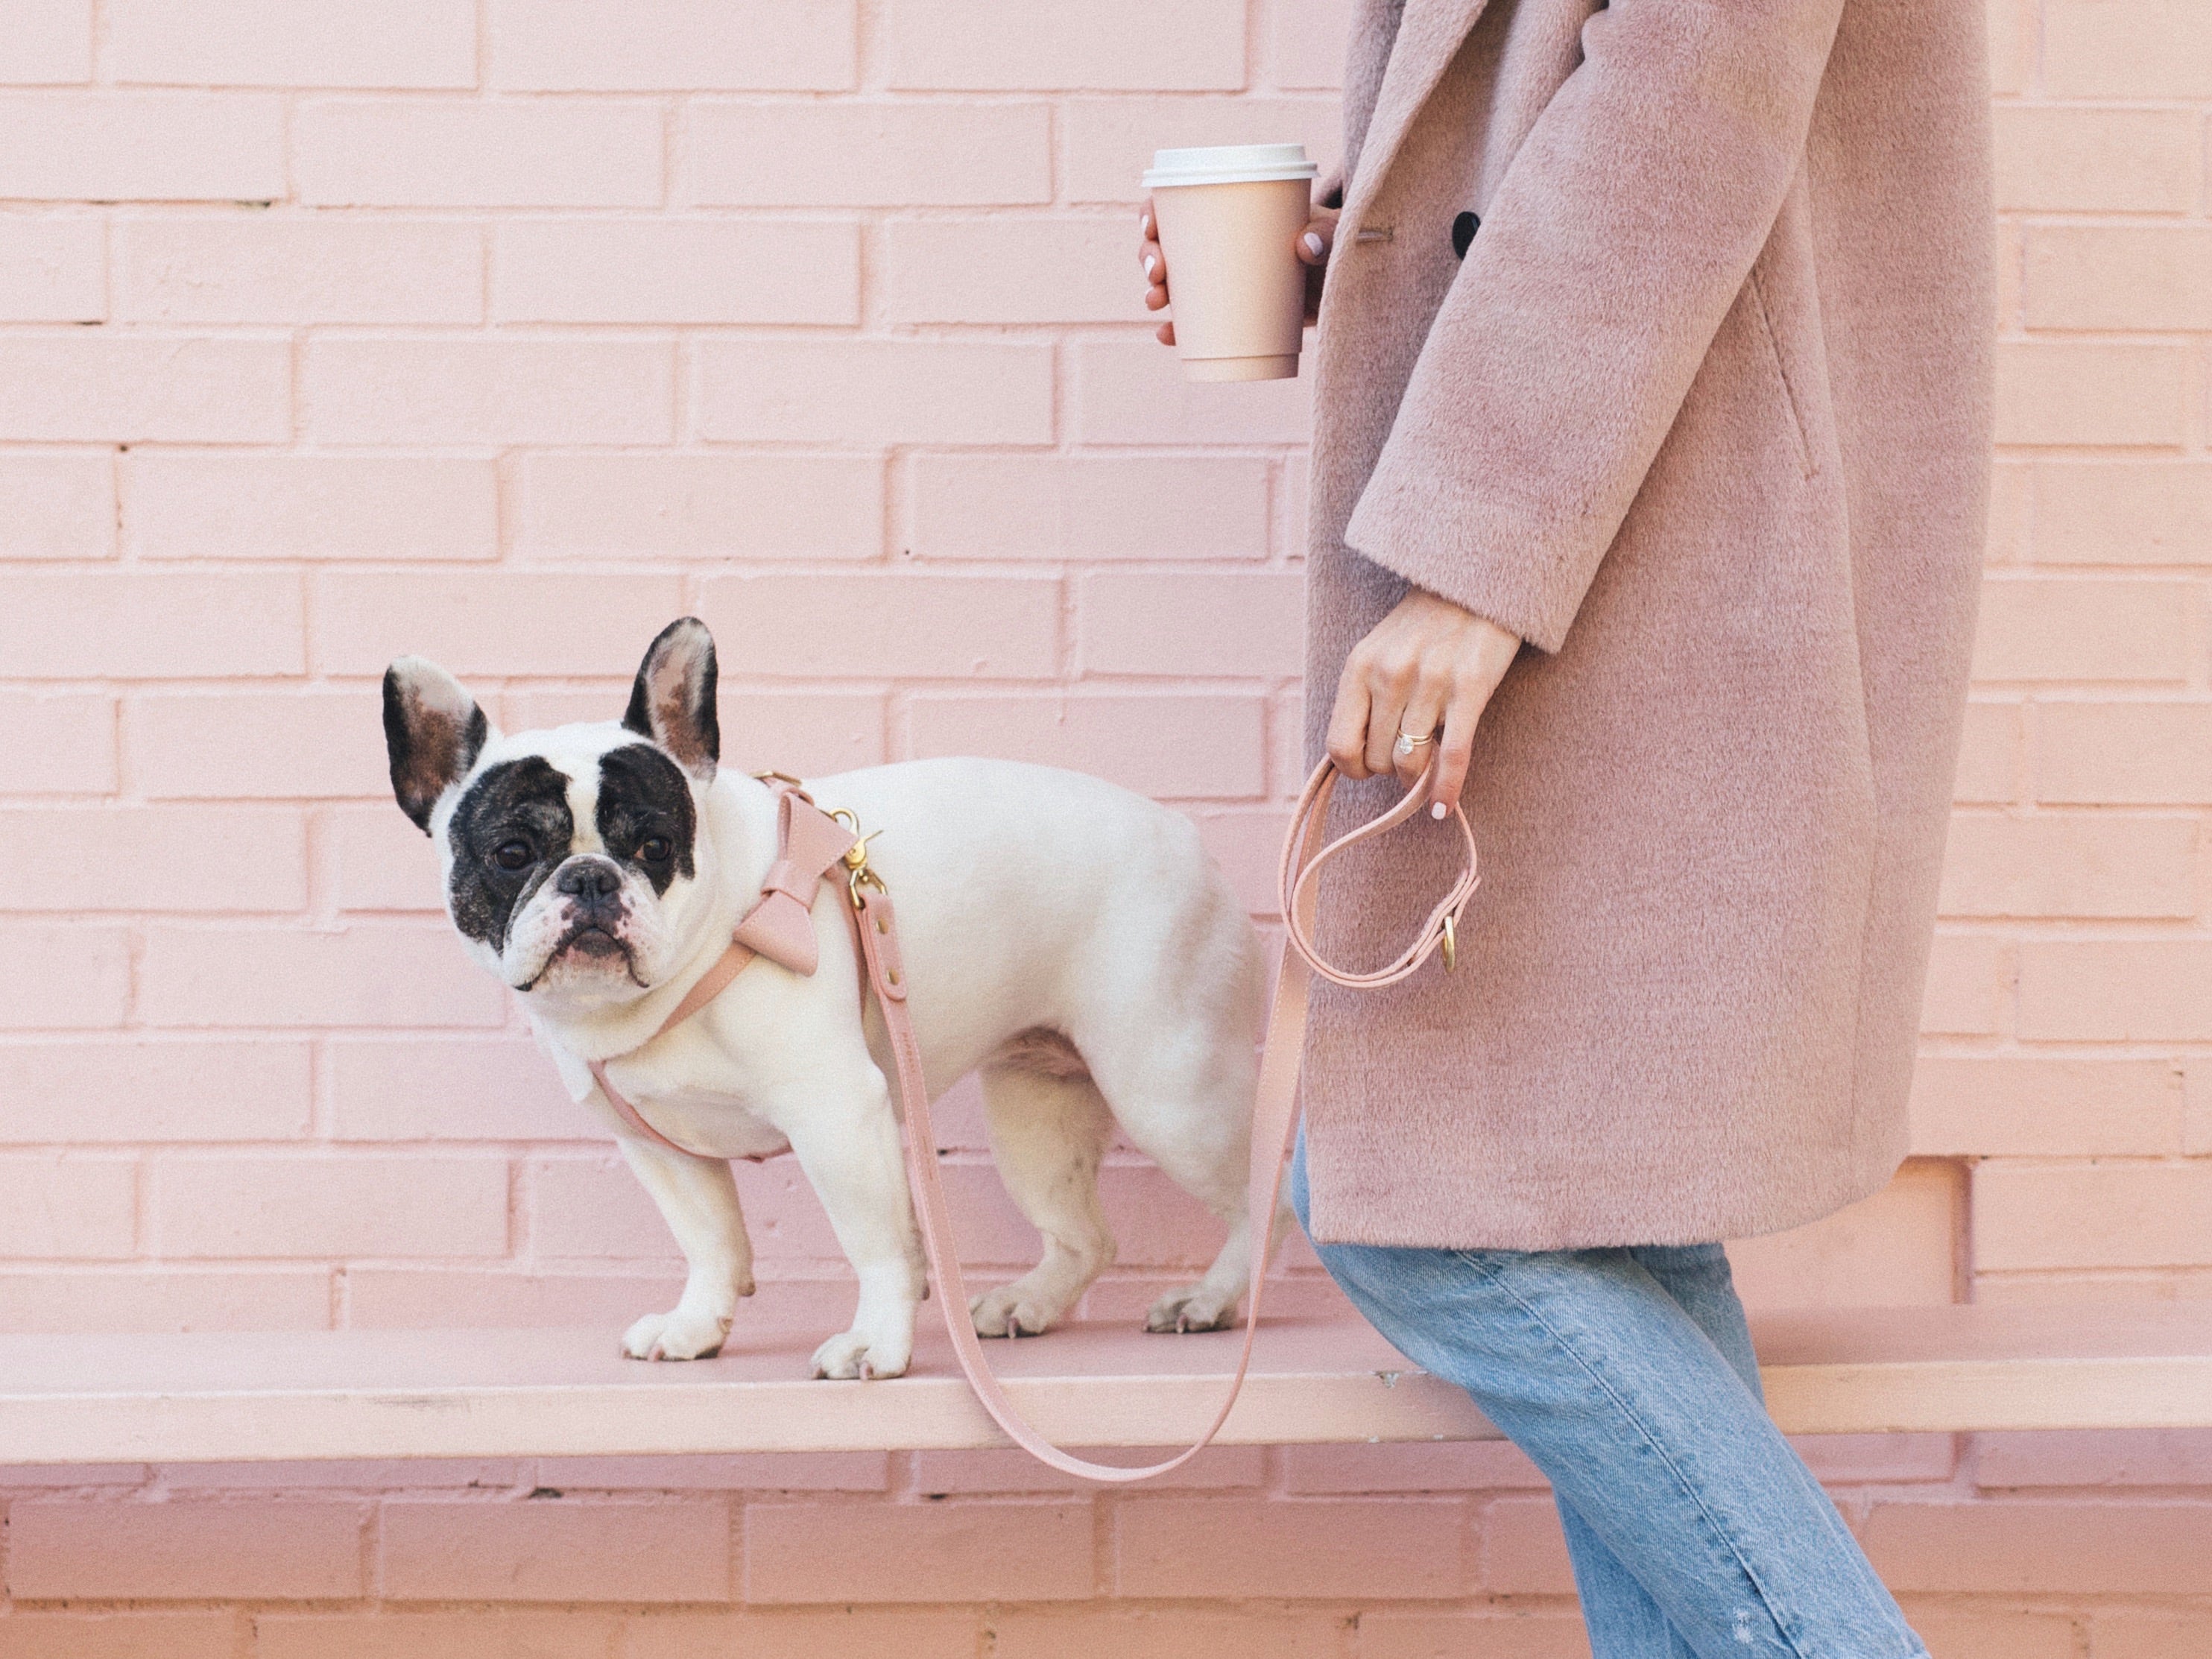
[{"x": 574, "y": 863}]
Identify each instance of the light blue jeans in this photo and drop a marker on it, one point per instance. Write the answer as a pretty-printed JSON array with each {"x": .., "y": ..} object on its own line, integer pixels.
[{"x": 1627, "y": 1374}]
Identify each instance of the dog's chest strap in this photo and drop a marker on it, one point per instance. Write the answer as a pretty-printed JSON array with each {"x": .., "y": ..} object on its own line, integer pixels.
[{"x": 810, "y": 845}]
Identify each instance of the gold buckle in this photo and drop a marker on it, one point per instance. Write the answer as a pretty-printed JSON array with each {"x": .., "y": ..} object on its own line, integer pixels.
[
  {"x": 1451, "y": 947},
  {"x": 855, "y": 857}
]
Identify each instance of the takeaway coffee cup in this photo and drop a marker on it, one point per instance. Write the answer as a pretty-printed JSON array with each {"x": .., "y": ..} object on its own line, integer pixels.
[{"x": 1229, "y": 219}]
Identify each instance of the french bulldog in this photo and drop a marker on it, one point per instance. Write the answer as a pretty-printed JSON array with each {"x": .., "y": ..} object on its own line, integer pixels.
[{"x": 1069, "y": 940}]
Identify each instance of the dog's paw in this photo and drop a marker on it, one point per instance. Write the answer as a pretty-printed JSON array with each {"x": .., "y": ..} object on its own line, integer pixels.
[
  {"x": 676, "y": 1336},
  {"x": 1191, "y": 1309},
  {"x": 1007, "y": 1312},
  {"x": 856, "y": 1354}
]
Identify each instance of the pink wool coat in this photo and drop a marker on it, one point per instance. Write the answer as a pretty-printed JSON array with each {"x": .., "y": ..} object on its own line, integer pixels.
[{"x": 1704, "y": 415}]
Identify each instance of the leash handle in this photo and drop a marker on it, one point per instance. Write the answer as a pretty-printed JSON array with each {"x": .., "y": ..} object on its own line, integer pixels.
[{"x": 1275, "y": 1108}]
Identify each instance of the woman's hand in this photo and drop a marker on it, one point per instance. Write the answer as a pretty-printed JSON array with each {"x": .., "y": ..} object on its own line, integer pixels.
[
  {"x": 1312, "y": 248},
  {"x": 1426, "y": 670}
]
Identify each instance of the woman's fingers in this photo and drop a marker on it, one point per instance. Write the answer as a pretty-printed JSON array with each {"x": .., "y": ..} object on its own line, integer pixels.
[
  {"x": 1455, "y": 746},
  {"x": 1314, "y": 241},
  {"x": 1347, "y": 725},
  {"x": 1391, "y": 689},
  {"x": 1423, "y": 712}
]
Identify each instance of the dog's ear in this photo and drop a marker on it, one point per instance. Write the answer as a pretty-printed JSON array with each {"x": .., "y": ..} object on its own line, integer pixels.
[
  {"x": 673, "y": 701},
  {"x": 433, "y": 731}
]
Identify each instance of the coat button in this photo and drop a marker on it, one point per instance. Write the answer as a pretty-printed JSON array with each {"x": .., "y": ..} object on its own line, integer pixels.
[{"x": 1463, "y": 230}]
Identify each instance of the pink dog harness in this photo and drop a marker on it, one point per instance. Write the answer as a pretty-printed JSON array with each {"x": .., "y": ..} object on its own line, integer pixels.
[{"x": 812, "y": 845}]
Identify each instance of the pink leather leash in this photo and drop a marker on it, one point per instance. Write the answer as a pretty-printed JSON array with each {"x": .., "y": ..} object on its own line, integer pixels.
[{"x": 1274, "y": 1110}]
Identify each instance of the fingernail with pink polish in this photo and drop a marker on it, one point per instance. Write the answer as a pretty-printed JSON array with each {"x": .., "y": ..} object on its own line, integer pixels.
[{"x": 1437, "y": 810}]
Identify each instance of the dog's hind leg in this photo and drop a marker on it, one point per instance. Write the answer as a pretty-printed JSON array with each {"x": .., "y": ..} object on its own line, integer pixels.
[{"x": 1049, "y": 1129}]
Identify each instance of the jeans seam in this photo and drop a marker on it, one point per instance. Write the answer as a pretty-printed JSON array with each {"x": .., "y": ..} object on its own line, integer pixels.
[{"x": 1649, "y": 1439}]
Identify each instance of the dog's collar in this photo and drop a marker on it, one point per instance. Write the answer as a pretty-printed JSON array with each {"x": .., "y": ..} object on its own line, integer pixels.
[{"x": 810, "y": 843}]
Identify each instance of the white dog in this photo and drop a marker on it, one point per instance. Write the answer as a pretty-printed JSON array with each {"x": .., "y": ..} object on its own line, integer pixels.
[{"x": 1068, "y": 938}]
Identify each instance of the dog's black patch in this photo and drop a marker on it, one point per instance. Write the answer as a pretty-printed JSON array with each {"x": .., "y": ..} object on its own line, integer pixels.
[
  {"x": 516, "y": 804},
  {"x": 646, "y": 816}
]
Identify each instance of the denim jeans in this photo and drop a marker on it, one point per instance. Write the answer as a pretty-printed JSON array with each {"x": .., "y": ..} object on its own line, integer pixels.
[{"x": 1627, "y": 1374}]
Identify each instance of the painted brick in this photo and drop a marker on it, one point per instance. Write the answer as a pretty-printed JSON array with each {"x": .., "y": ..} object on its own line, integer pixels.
[
  {"x": 1965, "y": 1630},
  {"x": 364, "y": 1204},
  {"x": 1306, "y": 42},
  {"x": 247, "y": 267},
  {"x": 856, "y": 1471},
  {"x": 2123, "y": 753},
  {"x": 2123, "y": 512},
  {"x": 2122, "y": 1634},
  {"x": 180, "y": 504},
  {"x": 1012, "y": 46},
  {"x": 654, "y": 46},
  {"x": 2119, "y": 277},
  {"x": 60, "y": 505},
  {"x": 865, "y": 154},
  {"x": 1132, "y": 391},
  {"x": 1182, "y": 1634},
  {"x": 426, "y": 152},
  {"x": 2012, "y": 488},
  {"x": 268, "y": 744},
  {"x": 379, "y": 861},
  {"x": 1061, "y": 506},
  {"x": 58, "y": 745},
  {"x": 142, "y": 146},
  {"x": 592, "y": 1207},
  {"x": 1458, "y": 1465},
  {"x": 476, "y": 1633},
  {"x": 936, "y": 1552},
  {"x": 2042, "y": 1548},
  {"x": 490, "y": 624},
  {"x": 2095, "y": 160},
  {"x": 2102, "y": 1458},
  {"x": 159, "y": 1089},
  {"x": 477, "y": 391},
  {"x": 369, "y": 974},
  {"x": 806, "y": 733},
  {"x": 1888, "y": 1459},
  {"x": 1244, "y": 624},
  {"x": 550, "y": 1550},
  {"x": 63, "y": 974},
  {"x": 2020, "y": 1107},
  {"x": 109, "y": 1550},
  {"x": 88, "y": 385},
  {"x": 1205, "y": 1548},
  {"x": 1006, "y": 1469},
  {"x": 1891, "y": 1249},
  {"x": 140, "y": 626},
  {"x": 1523, "y": 1551},
  {"x": 1110, "y": 140},
  {"x": 1966, "y": 974},
  {"x": 48, "y": 40},
  {"x": 2091, "y": 394},
  {"x": 1989, "y": 753},
  {"x": 137, "y": 1297},
  {"x": 2121, "y": 1213},
  {"x": 443, "y": 1298},
  {"x": 1387, "y": 1634},
  {"x": 649, "y": 270},
  {"x": 886, "y": 626},
  {"x": 212, "y": 1634},
  {"x": 152, "y": 858},
  {"x": 1141, "y": 741},
  {"x": 67, "y": 1207},
  {"x": 872, "y": 393},
  {"x": 2126, "y": 48},
  {"x": 2115, "y": 990},
  {"x": 54, "y": 270},
  {"x": 1013, "y": 271},
  {"x": 2015, "y": 27},
  {"x": 1246, "y": 844},
  {"x": 426, "y": 1088},
  {"x": 2082, "y": 628},
  {"x": 776, "y": 1633},
  {"x": 2070, "y": 864},
  {"x": 275, "y": 43},
  {"x": 718, "y": 506}
]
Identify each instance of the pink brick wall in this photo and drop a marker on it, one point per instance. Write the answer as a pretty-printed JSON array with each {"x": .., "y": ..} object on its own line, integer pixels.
[{"x": 507, "y": 330}]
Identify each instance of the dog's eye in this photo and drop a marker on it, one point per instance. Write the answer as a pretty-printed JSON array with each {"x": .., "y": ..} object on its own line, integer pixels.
[
  {"x": 512, "y": 855},
  {"x": 655, "y": 849}
]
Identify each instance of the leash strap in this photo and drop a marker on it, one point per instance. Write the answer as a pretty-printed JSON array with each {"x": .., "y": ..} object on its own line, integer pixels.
[{"x": 1274, "y": 1109}]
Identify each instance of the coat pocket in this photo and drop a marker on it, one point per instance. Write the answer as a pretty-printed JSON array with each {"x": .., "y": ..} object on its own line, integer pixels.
[{"x": 1792, "y": 394}]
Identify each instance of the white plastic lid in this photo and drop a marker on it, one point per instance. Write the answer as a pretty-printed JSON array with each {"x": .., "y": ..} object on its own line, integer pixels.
[{"x": 1229, "y": 164}]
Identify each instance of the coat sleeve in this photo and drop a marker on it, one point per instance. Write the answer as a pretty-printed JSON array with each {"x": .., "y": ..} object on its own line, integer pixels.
[{"x": 1618, "y": 237}]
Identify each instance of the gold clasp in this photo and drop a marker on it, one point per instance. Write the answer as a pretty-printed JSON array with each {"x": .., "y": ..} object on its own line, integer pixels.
[
  {"x": 1451, "y": 947},
  {"x": 855, "y": 857}
]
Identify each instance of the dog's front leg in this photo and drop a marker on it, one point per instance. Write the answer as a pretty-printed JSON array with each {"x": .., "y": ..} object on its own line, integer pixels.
[
  {"x": 847, "y": 1142},
  {"x": 698, "y": 1199}
]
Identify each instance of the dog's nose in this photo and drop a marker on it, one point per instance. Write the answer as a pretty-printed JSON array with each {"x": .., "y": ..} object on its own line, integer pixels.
[{"x": 589, "y": 880}]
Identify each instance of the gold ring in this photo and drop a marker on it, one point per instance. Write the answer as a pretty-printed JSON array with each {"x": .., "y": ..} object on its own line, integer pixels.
[{"x": 1407, "y": 743}]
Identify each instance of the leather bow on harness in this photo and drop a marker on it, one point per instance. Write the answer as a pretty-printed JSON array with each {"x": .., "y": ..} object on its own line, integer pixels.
[{"x": 813, "y": 846}]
